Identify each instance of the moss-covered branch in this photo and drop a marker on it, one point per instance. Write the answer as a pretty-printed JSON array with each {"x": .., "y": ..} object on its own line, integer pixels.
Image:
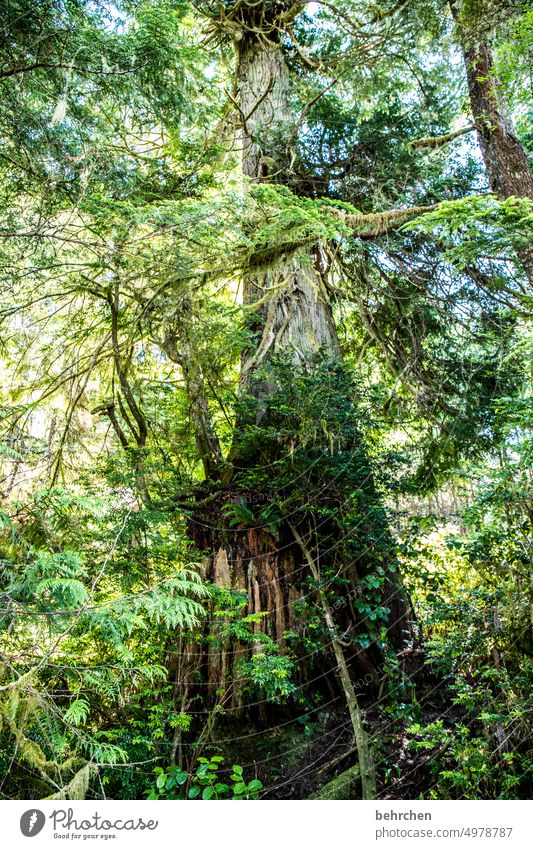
[
  {"x": 376, "y": 224},
  {"x": 436, "y": 142}
]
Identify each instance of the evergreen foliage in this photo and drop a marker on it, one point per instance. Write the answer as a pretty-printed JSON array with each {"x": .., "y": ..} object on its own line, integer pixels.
[{"x": 265, "y": 434}]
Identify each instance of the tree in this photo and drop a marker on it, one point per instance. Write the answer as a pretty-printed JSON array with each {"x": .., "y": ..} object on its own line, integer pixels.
[
  {"x": 255, "y": 319},
  {"x": 508, "y": 170},
  {"x": 287, "y": 292}
]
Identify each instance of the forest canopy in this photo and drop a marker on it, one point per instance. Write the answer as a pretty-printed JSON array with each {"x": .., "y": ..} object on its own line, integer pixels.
[{"x": 266, "y": 350}]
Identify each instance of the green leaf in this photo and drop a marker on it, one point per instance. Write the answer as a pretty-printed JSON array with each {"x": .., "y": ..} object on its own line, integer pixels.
[{"x": 221, "y": 788}]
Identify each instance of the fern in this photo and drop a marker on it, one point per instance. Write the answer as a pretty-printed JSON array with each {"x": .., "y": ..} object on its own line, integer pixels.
[
  {"x": 239, "y": 515},
  {"x": 104, "y": 754},
  {"x": 77, "y": 712}
]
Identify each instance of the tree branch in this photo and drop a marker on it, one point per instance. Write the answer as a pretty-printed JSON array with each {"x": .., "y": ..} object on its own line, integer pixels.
[
  {"x": 435, "y": 142},
  {"x": 375, "y": 224}
]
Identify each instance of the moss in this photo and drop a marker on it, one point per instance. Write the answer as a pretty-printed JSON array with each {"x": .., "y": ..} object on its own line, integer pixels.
[
  {"x": 344, "y": 786},
  {"x": 436, "y": 142}
]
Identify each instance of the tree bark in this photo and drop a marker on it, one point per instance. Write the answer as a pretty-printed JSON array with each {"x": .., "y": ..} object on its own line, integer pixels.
[
  {"x": 295, "y": 318},
  {"x": 504, "y": 157},
  {"x": 179, "y": 348},
  {"x": 505, "y": 160}
]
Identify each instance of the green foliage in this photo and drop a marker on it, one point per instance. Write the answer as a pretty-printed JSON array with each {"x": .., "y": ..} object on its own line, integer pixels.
[
  {"x": 480, "y": 227},
  {"x": 128, "y": 233},
  {"x": 91, "y": 626},
  {"x": 479, "y": 644},
  {"x": 270, "y": 673},
  {"x": 205, "y": 783}
]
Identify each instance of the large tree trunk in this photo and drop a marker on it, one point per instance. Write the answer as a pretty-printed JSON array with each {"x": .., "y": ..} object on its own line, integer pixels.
[
  {"x": 297, "y": 316},
  {"x": 506, "y": 163},
  {"x": 294, "y": 319}
]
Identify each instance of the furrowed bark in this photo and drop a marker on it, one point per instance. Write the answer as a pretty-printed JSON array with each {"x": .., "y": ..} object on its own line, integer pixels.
[
  {"x": 297, "y": 315},
  {"x": 289, "y": 301}
]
